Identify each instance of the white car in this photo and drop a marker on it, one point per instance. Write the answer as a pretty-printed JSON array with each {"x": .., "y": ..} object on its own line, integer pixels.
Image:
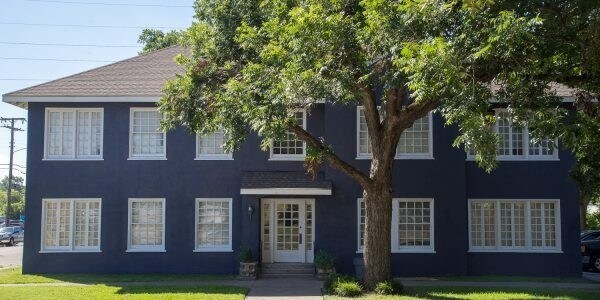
[{"x": 11, "y": 235}]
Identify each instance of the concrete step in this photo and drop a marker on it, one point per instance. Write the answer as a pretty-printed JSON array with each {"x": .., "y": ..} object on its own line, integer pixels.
[
  {"x": 263, "y": 275},
  {"x": 288, "y": 266},
  {"x": 287, "y": 270}
]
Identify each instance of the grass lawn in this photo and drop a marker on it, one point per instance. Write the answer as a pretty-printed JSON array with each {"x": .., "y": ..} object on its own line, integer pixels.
[
  {"x": 14, "y": 275},
  {"x": 123, "y": 292},
  {"x": 514, "y": 279},
  {"x": 484, "y": 293}
]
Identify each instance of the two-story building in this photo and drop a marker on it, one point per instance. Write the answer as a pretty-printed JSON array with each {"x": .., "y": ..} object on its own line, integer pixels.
[{"x": 109, "y": 192}]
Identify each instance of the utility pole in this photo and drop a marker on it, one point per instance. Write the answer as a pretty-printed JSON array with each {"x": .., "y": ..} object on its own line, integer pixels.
[{"x": 5, "y": 122}]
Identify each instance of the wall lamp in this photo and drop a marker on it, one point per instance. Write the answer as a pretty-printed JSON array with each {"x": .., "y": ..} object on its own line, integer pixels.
[{"x": 250, "y": 211}]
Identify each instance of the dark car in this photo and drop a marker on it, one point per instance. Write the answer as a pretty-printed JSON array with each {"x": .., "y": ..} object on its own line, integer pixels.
[
  {"x": 589, "y": 235},
  {"x": 11, "y": 235},
  {"x": 590, "y": 254}
]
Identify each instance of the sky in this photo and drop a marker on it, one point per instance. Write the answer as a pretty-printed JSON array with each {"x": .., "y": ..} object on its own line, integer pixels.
[{"x": 23, "y": 65}]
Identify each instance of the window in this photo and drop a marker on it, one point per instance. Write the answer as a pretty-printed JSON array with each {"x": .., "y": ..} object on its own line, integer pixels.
[
  {"x": 71, "y": 225},
  {"x": 73, "y": 133},
  {"x": 146, "y": 225},
  {"x": 210, "y": 146},
  {"x": 213, "y": 225},
  {"x": 290, "y": 148},
  {"x": 415, "y": 142},
  {"x": 514, "y": 225},
  {"x": 516, "y": 143},
  {"x": 146, "y": 140},
  {"x": 412, "y": 225}
]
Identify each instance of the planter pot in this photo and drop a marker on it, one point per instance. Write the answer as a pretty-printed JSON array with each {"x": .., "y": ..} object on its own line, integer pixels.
[
  {"x": 248, "y": 270},
  {"x": 322, "y": 273}
]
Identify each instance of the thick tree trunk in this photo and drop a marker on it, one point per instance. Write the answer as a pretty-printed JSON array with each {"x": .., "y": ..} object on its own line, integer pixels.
[
  {"x": 378, "y": 224},
  {"x": 583, "y": 205}
]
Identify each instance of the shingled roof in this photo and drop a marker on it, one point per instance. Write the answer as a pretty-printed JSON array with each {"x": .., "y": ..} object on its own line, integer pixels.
[{"x": 142, "y": 77}]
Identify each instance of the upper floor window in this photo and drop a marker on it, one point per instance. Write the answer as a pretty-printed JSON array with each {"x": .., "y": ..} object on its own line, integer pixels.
[
  {"x": 412, "y": 225},
  {"x": 515, "y": 142},
  {"x": 73, "y": 133},
  {"x": 514, "y": 225},
  {"x": 210, "y": 147},
  {"x": 415, "y": 142},
  {"x": 146, "y": 139},
  {"x": 71, "y": 225},
  {"x": 291, "y": 148}
]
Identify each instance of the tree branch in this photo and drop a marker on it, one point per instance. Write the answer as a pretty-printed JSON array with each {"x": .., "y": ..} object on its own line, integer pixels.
[
  {"x": 334, "y": 160},
  {"x": 372, "y": 118}
]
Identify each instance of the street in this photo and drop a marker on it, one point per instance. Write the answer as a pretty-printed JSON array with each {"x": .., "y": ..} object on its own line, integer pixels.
[{"x": 11, "y": 256}]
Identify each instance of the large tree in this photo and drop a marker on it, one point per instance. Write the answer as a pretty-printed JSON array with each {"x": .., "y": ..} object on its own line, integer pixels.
[{"x": 253, "y": 63}]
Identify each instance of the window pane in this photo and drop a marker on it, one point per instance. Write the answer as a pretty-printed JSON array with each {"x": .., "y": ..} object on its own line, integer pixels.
[
  {"x": 414, "y": 224},
  {"x": 146, "y": 223},
  {"x": 290, "y": 145},
  {"x": 212, "y": 144},
  {"x": 213, "y": 223},
  {"x": 416, "y": 138},
  {"x": 146, "y": 136}
]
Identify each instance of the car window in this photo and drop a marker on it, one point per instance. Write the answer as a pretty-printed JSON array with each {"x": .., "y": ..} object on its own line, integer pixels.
[
  {"x": 6, "y": 230},
  {"x": 591, "y": 236}
]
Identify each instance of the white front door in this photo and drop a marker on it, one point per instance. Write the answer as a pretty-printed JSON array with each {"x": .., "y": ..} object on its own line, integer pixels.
[{"x": 289, "y": 224}]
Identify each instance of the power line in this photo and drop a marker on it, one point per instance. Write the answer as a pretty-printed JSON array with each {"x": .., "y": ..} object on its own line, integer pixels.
[
  {"x": 70, "y": 45},
  {"x": 56, "y": 59},
  {"x": 111, "y": 4},
  {"x": 87, "y": 26},
  {"x": 23, "y": 79}
]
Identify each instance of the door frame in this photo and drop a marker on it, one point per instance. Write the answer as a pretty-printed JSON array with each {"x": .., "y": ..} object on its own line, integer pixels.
[{"x": 268, "y": 255}]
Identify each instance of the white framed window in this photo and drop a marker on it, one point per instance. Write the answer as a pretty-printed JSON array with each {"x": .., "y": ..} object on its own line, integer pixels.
[
  {"x": 73, "y": 133},
  {"x": 146, "y": 220},
  {"x": 71, "y": 225},
  {"x": 516, "y": 143},
  {"x": 514, "y": 225},
  {"x": 415, "y": 142},
  {"x": 412, "y": 225},
  {"x": 210, "y": 147},
  {"x": 290, "y": 147},
  {"x": 213, "y": 225},
  {"x": 146, "y": 139}
]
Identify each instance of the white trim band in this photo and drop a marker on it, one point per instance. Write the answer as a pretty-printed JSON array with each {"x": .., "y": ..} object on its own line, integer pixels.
[{"x": 286, "y": 191}]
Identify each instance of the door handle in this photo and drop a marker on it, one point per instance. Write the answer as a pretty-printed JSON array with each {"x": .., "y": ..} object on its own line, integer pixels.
[{"x": 300, "y": 239}]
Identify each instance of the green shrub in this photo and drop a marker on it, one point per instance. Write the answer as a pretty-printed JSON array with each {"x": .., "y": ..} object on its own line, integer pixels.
[
  {"x": 389, "y": 287},
  {"x": 324, "y": 260},
  {"x": 246, "y": 254},
  {"x": 348, "y": 289}
]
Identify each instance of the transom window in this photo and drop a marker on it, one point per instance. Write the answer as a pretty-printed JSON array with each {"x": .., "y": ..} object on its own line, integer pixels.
[
  {"x": 516, "y": 142},
  {"x": 290, "y": 148},
  {"x": 73, "y": 133},
  {"x": 213, "y": 224},
  {"x": 210, "y": 146},
  {"x": 146, "y": 139},
  {"x": 146, "y": 225},
  {"x": 415, "y": 142},
  {"x": 71, "y": 225},
  {"x": 412, "y": 225},
  {"x": 514, "y": 225}
]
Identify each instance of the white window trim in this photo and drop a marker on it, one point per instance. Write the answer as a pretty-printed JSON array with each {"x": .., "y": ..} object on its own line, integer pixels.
[
  {"x": 394, "y": 239},
  {"x": 71, "y": 248},
  {"x": 227, "y": 248},
  {"x": 75, "y": 113},
  {"x": 291, "y": 157},
  {"x": 162, "y": 156},
  {"x": 156, "y": 248},
  {"x": 526, "y": 140},
  {"x": 528, "y": 248},
  {"x": 223, "y": 156},
  {"x": 368, "y": 156}
]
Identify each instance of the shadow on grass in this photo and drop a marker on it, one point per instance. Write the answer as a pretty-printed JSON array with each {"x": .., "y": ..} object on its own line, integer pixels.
[
  {"x": 205, "y": 289},
  {"x": 499, "y": 293}
]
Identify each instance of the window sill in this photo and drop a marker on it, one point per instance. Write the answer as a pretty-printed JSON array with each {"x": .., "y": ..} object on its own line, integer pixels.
[
  {"x": 72, "y": 159},
  {"x": 147, "y": 158},
  {"x": 205, "y": 250},
  {"x": 145, "y": 250},
  {"x": 288, "y": 158},
  {"x": 415, "y": 157},
  {"x": 213, "y": 158},
  {"x": 514, "y": 251},
  {"x": 407, "y": 251},
  {"x": 69, "y": 251},
  {"x": 519, "y": 159}
]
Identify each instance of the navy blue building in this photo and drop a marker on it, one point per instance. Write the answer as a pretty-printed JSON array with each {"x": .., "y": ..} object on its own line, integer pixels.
[{"x": 109, "y": 193}]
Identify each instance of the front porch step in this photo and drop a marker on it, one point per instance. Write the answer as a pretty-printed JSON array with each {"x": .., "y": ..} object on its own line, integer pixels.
[{"x": 287, "y": 270}]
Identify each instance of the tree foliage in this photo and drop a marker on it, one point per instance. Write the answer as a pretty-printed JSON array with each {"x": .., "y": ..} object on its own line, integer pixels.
[
  {"x": 254, "y": 62},
  {"x": 17, "y": 203},
  {"x": 155, "y": 39}
]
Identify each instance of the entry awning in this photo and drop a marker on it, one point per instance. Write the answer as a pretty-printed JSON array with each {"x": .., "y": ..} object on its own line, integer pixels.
[{"x": 283, "y": 183}]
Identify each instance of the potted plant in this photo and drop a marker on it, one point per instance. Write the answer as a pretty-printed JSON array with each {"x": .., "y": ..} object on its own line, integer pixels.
[
  {"x": 324, "y": 263},
  {"x": 248, "y": 265}
]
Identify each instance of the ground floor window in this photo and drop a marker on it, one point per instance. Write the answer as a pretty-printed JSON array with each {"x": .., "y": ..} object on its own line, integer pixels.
[
  {"x": 213, "y": 224},
  {"x": 146, "y": 224},
  {"x": 514, "y": 225},
  {"x": 71, "y": 224},
  {"x": 412, "y": 225}
]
